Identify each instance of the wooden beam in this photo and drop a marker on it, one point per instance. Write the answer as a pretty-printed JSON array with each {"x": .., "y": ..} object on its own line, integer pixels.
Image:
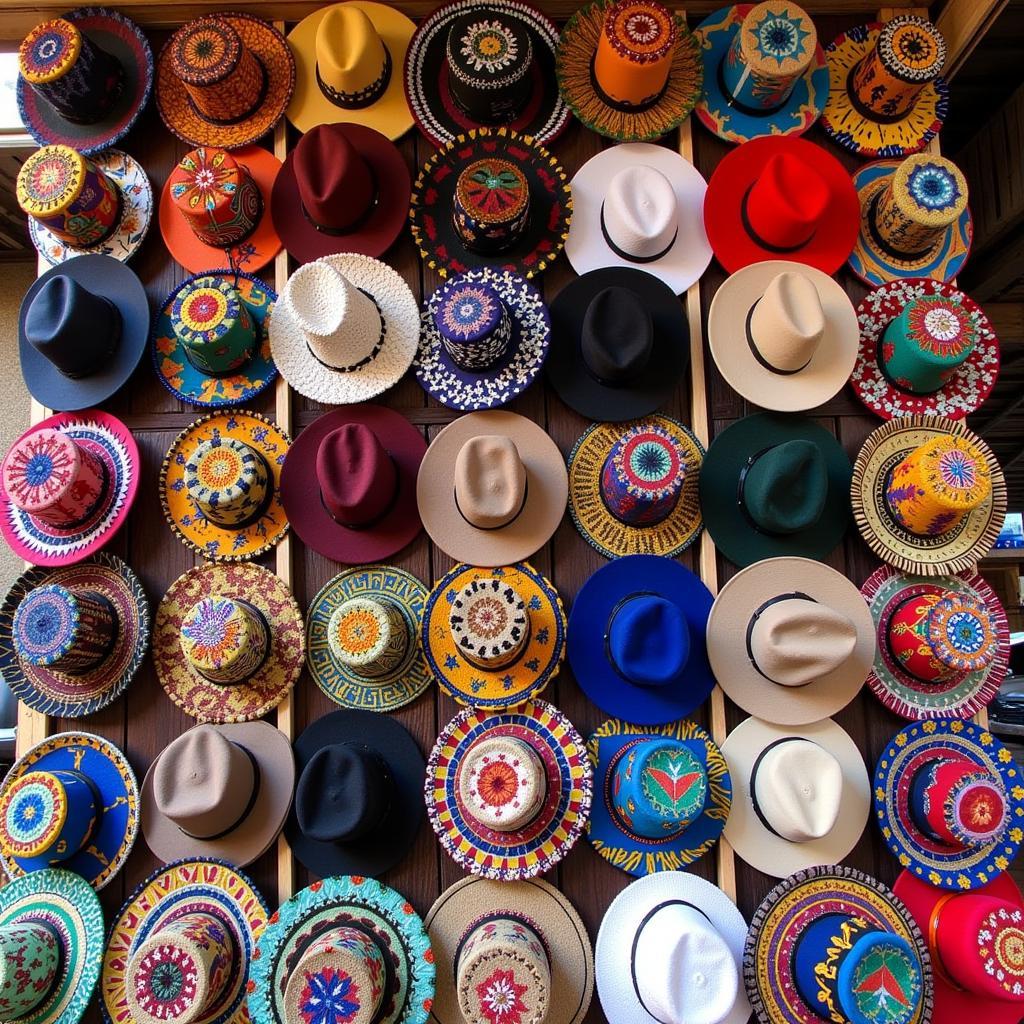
[
  {"x": 963, "y": 23},
  {"x": 1007, "y": 319}
]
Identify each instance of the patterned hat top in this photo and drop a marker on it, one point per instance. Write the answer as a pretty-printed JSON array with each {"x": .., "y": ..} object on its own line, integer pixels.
[{"x": 213, "y": 324}]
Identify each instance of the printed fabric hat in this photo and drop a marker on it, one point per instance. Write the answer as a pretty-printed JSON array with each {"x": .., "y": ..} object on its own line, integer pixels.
[
  {"x": 357, "y": 800},
  {"x": 228, "y": 642},
  {"x": 493, "y": 638},
  {"x": 808, "y": 646},
  {"x": 509, "y": 794},
  {"x": 651, "y": 662},
  {"x": 781, "y": 198},
  {"x": 492, "y": 488}
]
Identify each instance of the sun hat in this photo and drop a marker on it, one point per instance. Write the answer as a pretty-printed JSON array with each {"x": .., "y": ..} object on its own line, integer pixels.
[
  {"x": 357, "y": 802},
  {"x": 228, "y": 642},
  {"x": 491, "y": 488},
  {"x": 71, "y": 801},
  {"x": 493, "y": 638},
  {"x": 630, "y": 69},
  {"x": 508, "y": 794}
]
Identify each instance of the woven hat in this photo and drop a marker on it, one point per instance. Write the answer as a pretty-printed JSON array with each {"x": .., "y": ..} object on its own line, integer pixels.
[
  {"x": 886, "y": 96},
  {"x": 517, "y": 950},
  {"x": 493, "y": 638},
  {"x": 67, "y": 486},
  {"x": 71, "y": 802},
  {"x": 781, "y": 197},
  {"x": 949, "y": 803},
  {"x": 630, "y": 69},
  {"x": 492, "y": 488},
  {"x": 228, "y": 642},
  {"x": 508, "y": 794}
]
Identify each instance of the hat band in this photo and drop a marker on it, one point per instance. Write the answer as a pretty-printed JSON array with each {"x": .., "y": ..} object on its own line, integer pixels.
[
  {"x": 370, "y": 523},
  {"x": 512, "y": 519},
  {"x": 749, "y": 228},
  {"x": 228, "y": 121},
  {"x": 737, "y": 104},
  {"x": 756, "y": 352},
  {"x": 796, "y": 595},
  {"x": 250, "y": 804},
  {"x": 363, "y": 97},
  {"x": 753, "y": 790},
  {"x": 938, "y": 965},
  {"x": 620, "y": 105},
  {"x": 865, "y": 111},
  {"x": 113, "y": 340},
  {"x": 884, "y": 244},
  {"x": 629, "y": 256},
  {"x": 367, "y": 359},
  {"x": 504, "y": 915}
]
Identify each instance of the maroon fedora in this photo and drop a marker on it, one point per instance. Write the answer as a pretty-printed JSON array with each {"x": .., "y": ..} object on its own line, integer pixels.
[{"x": 344, "y": 188}]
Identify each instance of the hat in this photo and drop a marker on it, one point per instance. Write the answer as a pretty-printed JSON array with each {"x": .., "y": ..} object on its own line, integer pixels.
[
  {"x": 809, "y": 640},
  {"x": 357, "y": 799},
  {"x": 349, "y": 483},
  {"x": 345, "y": 329},
  {"x": 764, "y": 71},
  {"x": 83, "y": 78},
  {"x": 82, "y": 329},
  {"x": 774, "y": 485},
  {"x": 182, "y": 945},
  {"x": 492, "y": 488},
  {"x": 630, "y": 69},
  {"x": 78, "y": 205},
  {"x": 224, "y": 80},
  {"x": 636, "y": 639},
  {"x": 509, "y": 794},
  {"x": 228, "y": 643},
  {"x": 928, "y": 495},
  {"x": 490, "y": 198},
  {"x": 949, "y": 802},
  {"x": 350, "y": 58},
  {"x": 784, "y": 335},
  {"x": 71, "y": 802},
  {"x": 77, "y": 635},
  {"x": 886, "y": 97},
  {"x": 220, "y": 485},
  {"x": 67, "y": 486},
  {"x": 493, "y": 638},
  {"x": 517, "y": 950},
  {"x": 781, "y": 198}
]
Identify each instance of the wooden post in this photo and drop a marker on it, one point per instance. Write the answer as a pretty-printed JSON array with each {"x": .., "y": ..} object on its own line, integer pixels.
[{"x": 963, "y": 23}]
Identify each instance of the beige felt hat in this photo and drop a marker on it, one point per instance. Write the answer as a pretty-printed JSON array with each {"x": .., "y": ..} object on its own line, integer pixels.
[{"x": 790, "y": 640}]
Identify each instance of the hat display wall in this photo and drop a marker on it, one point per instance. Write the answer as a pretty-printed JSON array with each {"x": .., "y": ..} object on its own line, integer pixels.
[{"x": 509, "y": 794}]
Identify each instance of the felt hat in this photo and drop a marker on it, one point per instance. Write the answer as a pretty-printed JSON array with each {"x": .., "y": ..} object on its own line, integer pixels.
[
  {"x": 181, "y": 948},
  {"x": 887, "y": 97},
  {"x": 82, "y": 329},
  {"x": 809, "y": 640},
  {"x": 620, "y": 343},
  {"x": 781, "y": 198},
  {"x": 492, "y": 488},
  {"x": 783, "y": 335},
  {"x": 949, "y": 803},
  {"x": 357, "y": 797},
  {"x": 651, "y": 665},
  {"x": 224, "y": 80},
  {"x": 220, "y": 485},
  {"x": 80, "y": 205},
  {"x": 508, "y": 794},
  {"x": 774, "y": 485},
  {"x": 73, "y": 637},
  {"x": 683, "y": 940},
  {"x": 764, "y": 71},
  {"x": 72, "y": 802},
  {"x": 490, "y": 198},
  {"x": 641, "y": 206},
  {"x": 928, "y": 495},
  {"x": 228, "y": 643},
  {"x": 493, "y": 638},
  {"x": 349, "y": 947},
  {"x": 349, "y": 483},
  {"x": 484, "y": 336},
  {"x": 630, "y": 69},
  {"x": 516, "y": 949},
  {"x": 219, "y": 791},
  {"x": 66, "y": 487}
]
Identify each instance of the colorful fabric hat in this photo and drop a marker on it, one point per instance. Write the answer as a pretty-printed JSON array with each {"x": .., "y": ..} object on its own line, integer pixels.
[
  {"x": 928, "y": 495},
  {"x": 493, "y": 638},
  {"x": 509, "y": 794},
  {"x": 345, "y": 949},
  {"x": 72, "y": 802},
  {"x": 630, "y": 69},
  {"x": 228, "y": 642}
]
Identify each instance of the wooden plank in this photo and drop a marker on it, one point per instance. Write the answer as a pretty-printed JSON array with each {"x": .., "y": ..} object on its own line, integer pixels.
[{"x": 963, "y": 23}]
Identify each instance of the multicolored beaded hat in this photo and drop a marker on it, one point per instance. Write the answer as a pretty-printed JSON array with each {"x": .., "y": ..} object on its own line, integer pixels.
[
  {"x": 509, "y": 794},
  {"x": 228, "y": 642},
  {"x": 72, "y": 802}
]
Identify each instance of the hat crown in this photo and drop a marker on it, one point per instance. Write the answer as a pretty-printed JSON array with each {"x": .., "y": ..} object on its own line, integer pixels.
[
  {"x": 357, "y": 477},
  {"x": 649, "y": 640},
  {"x": 490, "y": 481},
  {"x": 492, "y": 204},
  {"x": 335, "y": 183},
  {"x": 30, "y": 955},
  {"x": 502, "y": 782},
  {"x": 786, "y": 202},
  {"x": 797, "y": 787},
  {"x": 784, "y": 489},
  {"x": 351, "y": 57},
  {"x": 640, "y": 214},
  {"x": 490, "y": 623},
  {"x": 643, "y": 475},
  {"x": 213, "y": 324},
  {"x": 50, "y": 815},
  {"x": 369, "y": 636},
  {"x": 958, "y": 803},
  {"x": 979, "y": 941},
  {"x": 229, "y": 481},
  {"x": 216, "y": 196},
  {"x": 617, "y": 336},
  {"x": 224, "y": 639},
  {"x": 634, "y": 52},
  {"x": 64, "y": 629},
  {"x": 473, "y": 323},
  {"x": 787, "y": 322}
]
